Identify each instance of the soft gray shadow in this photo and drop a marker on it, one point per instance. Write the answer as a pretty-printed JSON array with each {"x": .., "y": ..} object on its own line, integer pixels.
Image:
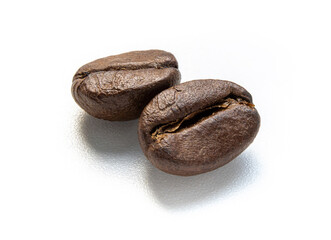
[
  {"x": 107, "y": 140},
  {"x": 114, "y": 146},
  {"x": 176, "y": 192}
]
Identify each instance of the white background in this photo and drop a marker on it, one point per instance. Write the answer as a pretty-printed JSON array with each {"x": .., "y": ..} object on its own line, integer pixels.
[{"x": 66, "y": 175}]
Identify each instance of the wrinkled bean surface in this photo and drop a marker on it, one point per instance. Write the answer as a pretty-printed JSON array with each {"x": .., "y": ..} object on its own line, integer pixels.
[
  {"x": 118, "y": 87},
  {"x": 198, "y": 126}
]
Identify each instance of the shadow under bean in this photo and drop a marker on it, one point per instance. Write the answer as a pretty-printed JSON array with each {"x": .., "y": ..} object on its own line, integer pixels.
[
  {"x": 110, "y": 139},
  {"x": 176, "y": 192},
  {"x": 114, "y": 147}
]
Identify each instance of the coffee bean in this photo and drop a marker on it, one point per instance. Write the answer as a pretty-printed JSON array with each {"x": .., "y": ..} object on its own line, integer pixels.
[
  {"x": 118, "y": 87},
  {"x": 197, "y": 126}
]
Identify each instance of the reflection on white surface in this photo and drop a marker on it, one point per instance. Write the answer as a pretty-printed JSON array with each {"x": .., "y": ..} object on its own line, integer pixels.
[{"x": 115, "y": 148}]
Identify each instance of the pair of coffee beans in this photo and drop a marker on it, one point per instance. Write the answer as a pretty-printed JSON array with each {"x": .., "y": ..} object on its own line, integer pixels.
[{"x": 184, "y": 129}]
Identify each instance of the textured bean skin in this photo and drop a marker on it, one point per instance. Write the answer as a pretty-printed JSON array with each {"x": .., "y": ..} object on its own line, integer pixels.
[
  {"x": 118, "y": 87},
  {"x": 197, "y": 126}
]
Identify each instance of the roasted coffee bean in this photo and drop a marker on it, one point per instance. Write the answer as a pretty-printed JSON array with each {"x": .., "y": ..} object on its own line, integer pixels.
[
  {"x": 197, "y": 126},
  {"x": 118, "y": 87}
]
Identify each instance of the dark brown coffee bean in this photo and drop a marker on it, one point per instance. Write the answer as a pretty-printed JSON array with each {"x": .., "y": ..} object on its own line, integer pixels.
[
  {"x": 197, "y": 126},
  {"x": 118, "y": 87}
]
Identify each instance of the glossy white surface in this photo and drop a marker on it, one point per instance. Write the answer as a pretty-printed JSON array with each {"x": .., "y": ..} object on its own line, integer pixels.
[{"x": 66, "y": 175}]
